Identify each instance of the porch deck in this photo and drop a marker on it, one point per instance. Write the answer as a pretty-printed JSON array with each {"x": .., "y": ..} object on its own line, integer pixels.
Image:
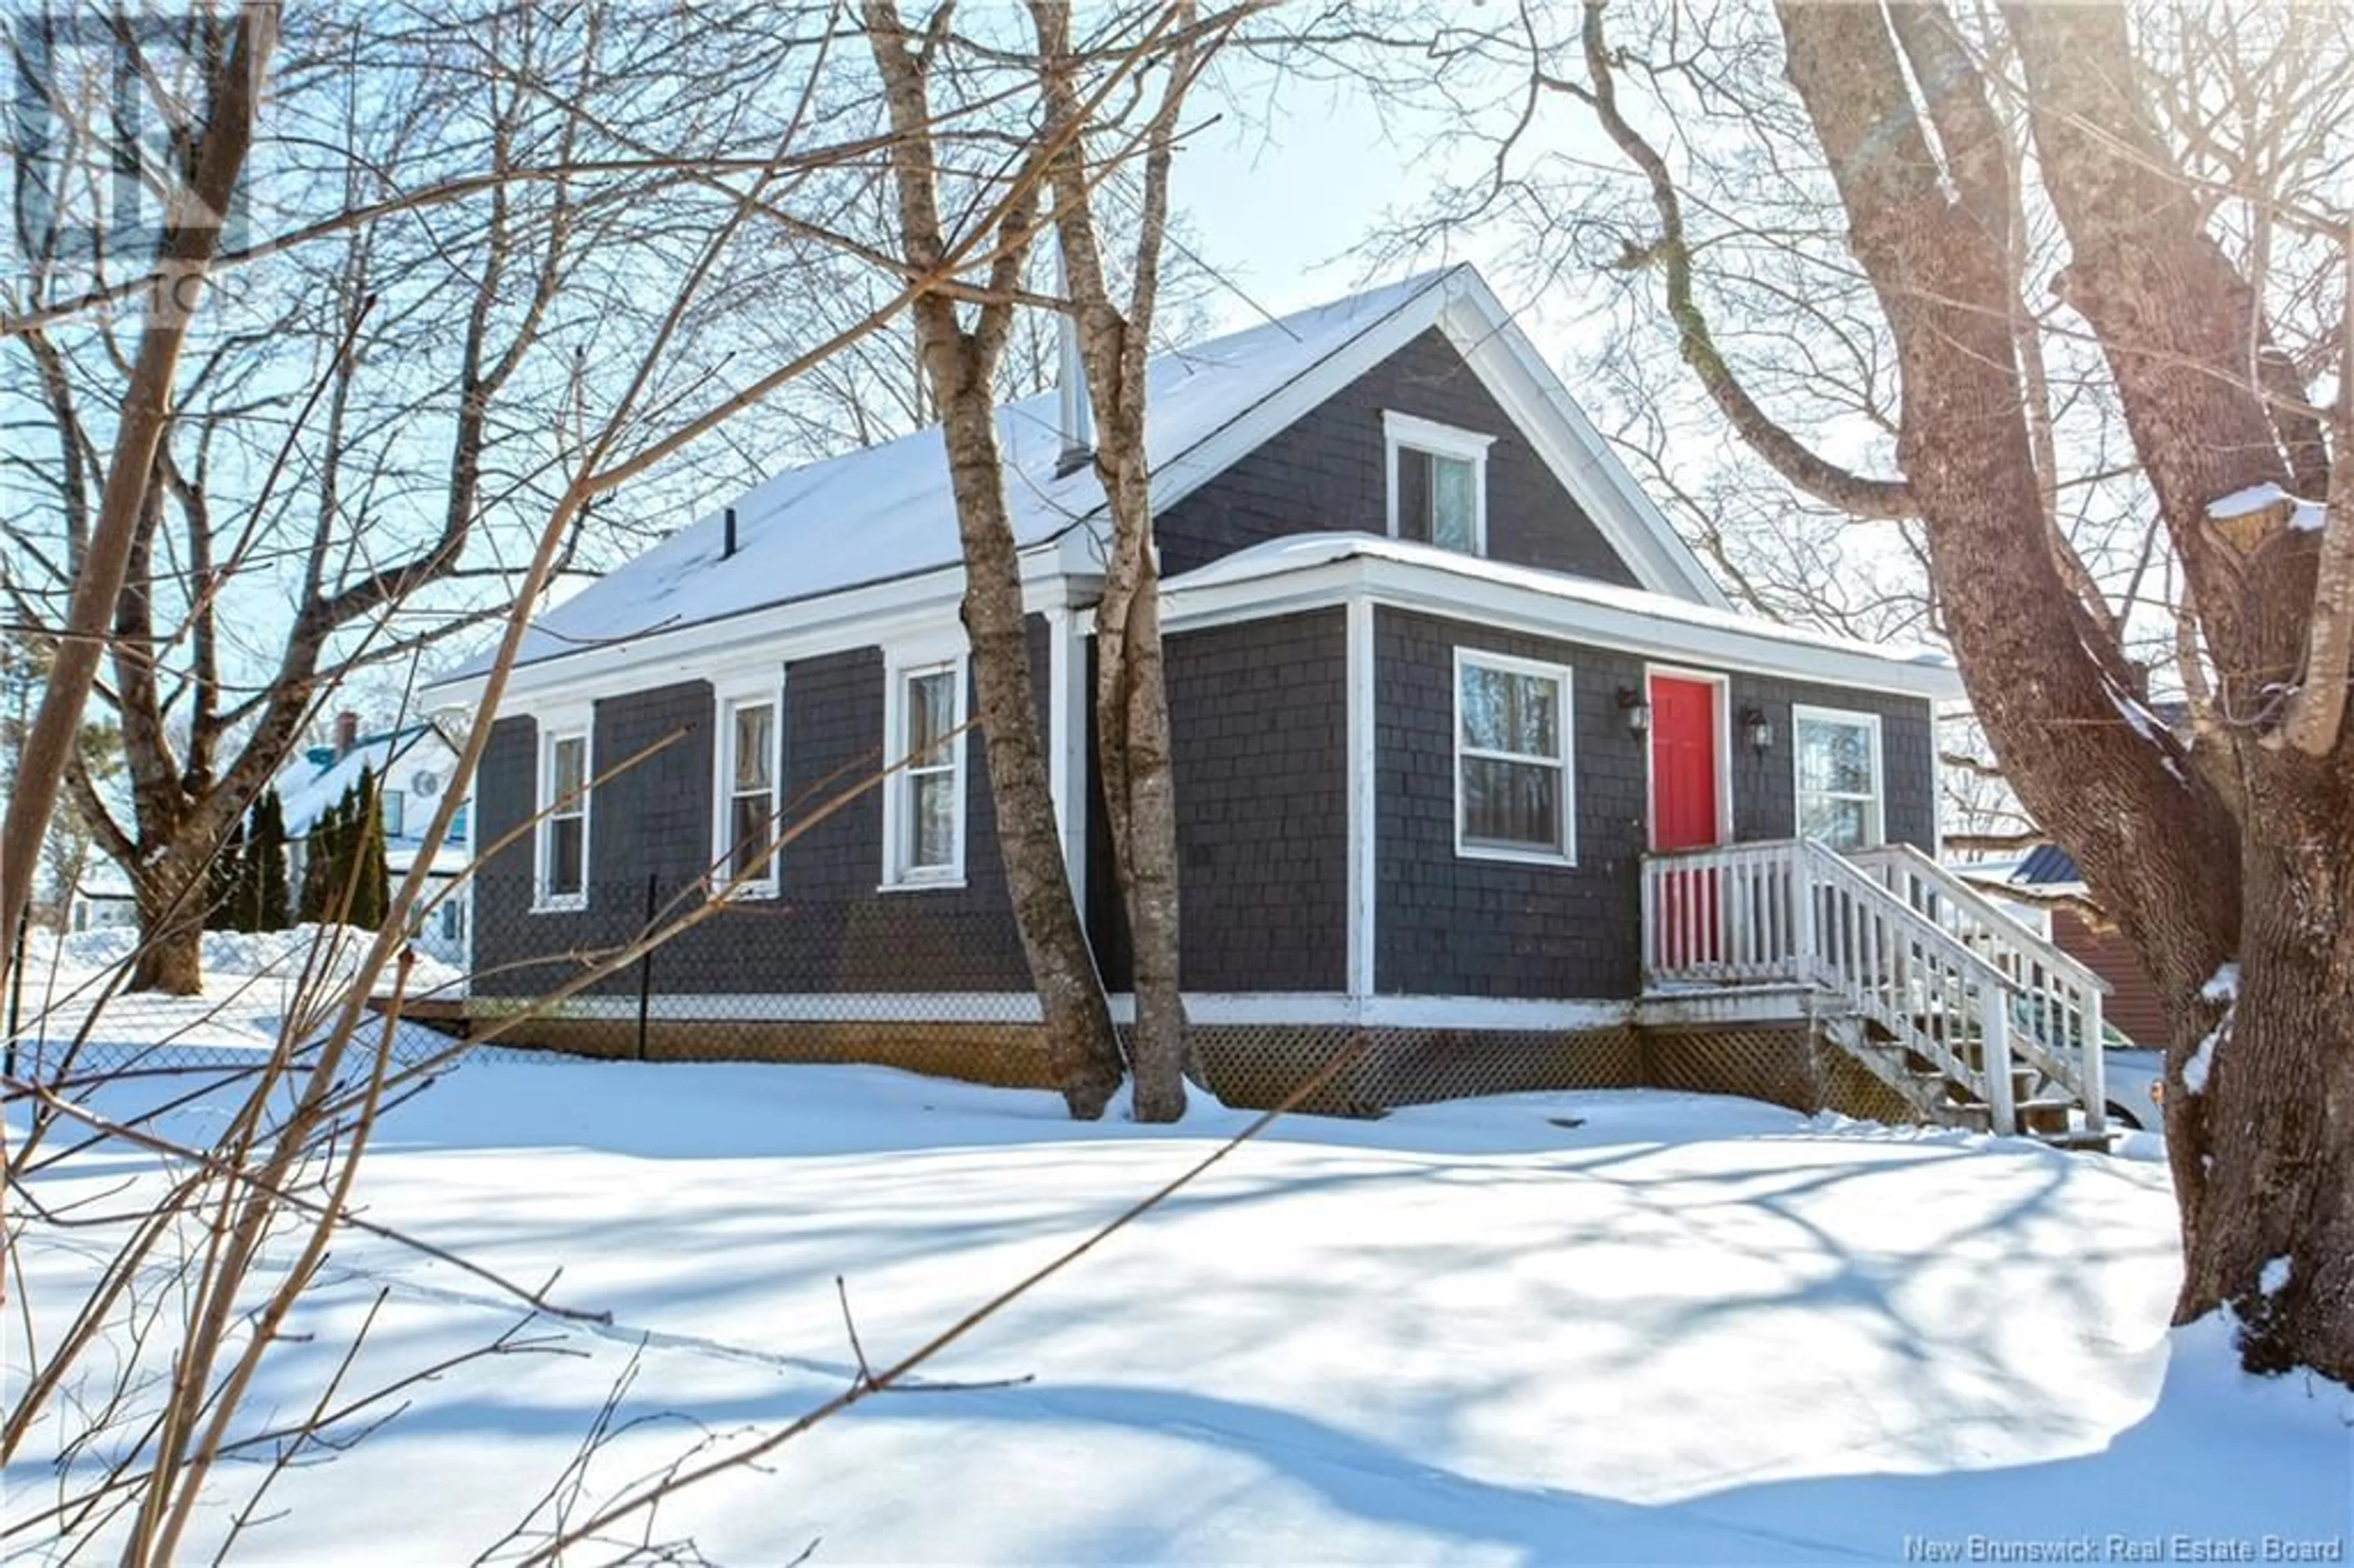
[{"x": 1971, "y": 1018}]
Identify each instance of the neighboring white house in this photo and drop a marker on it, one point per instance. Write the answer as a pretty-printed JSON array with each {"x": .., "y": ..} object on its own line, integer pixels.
[
  {"x": 414, "y": 765},
  {"x": 102, "y": 899}
]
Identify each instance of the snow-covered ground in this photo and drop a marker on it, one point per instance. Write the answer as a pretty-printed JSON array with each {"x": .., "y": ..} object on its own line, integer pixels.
[
  {"x": 252, "y": 981},
  {"x": 1612, "y": 1327}
]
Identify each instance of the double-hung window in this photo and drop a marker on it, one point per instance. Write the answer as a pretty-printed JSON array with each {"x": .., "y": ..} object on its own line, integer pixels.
[
  {"x": 1513, "y": 792},
  {"x": 563, "y": 871},
  {"x": 1439, "y": 483},
  {"x": 1839, "y": 797},
  {"x": 923, "y": 815},
  {"x": 750, "y": 765}
]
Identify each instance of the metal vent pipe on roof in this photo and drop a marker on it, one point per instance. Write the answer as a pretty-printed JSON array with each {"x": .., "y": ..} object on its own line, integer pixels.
[
  {"x": 727, "y": 537},
  {"x": 1076, "y": 424}
]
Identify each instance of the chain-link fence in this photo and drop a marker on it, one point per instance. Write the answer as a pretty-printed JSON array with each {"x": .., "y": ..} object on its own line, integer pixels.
[{"x": 931, "y": 979}]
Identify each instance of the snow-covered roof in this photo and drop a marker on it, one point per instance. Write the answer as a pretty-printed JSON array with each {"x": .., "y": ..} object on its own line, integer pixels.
[
  {"x": 2305, "y": 516},
  {"x": 101, "y": 878},
  {"x": 1584, "y": 604},
  {"x": 886, "y": 512}
]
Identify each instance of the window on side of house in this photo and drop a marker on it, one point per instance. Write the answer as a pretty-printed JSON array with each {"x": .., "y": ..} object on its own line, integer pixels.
[
  {"x": 393, "y": 805},
  {"x": 1513, "y": 789},
  {"x": 1437, "y": 484},
  {"x": 564, "y": 820},
  {"x": 750, "y": 765},
  {"x": 1841, "y": 800},
  {"x": 925, "y": 823}
]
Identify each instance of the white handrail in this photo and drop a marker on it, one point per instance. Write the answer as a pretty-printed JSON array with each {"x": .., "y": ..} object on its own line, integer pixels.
[
  {"x": 1961, "y": 891},
  {"x": 2064, "y": 1032},
  {"x": 1899, "y": 940}
]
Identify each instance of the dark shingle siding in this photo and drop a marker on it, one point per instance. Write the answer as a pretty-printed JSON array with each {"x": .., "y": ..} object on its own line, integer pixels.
[
  {"x": 1765, "y": 786},
  {"x": 1259, "y": 711},
  {"x": 1447, "y": 925},
  {"x": 1327, "y": 472},
  {"x": 831, "y": 929}
]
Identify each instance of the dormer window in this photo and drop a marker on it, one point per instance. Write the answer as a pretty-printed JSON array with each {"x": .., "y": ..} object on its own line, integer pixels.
[{"x": 1439, "y": 483}]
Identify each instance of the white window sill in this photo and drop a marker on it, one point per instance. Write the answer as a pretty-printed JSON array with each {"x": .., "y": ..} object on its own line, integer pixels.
[
  {"x": 1516, "y": 856},
  {"x": 755, "y": 891},
  {"x": 560, "y": 905},
  {"x": 946, "y": 881}
]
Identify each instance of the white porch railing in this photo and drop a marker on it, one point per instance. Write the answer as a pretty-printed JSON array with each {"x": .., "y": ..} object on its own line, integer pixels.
[
  {"x": 1937, "y": 972},
  {"x": 2060, "y": 999}
]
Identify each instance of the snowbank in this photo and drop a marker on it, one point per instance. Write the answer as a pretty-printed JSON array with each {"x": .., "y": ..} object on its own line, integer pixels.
[
  {"x": 234, "y": 953},
  {"x": 252, "y": 983},
  {"x": 1556, "y": 1328}
]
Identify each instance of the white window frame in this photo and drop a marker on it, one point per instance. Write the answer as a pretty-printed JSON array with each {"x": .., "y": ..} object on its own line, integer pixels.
[
  {"x": 1564, "y": 729},
  {"x": 555, "y": 730},
  {"x": 1851, "y": 718},
  {"x": 898, "y": 795},
  {"x": 765, "y": 688},
  {"x": 1428, "y": 436}
]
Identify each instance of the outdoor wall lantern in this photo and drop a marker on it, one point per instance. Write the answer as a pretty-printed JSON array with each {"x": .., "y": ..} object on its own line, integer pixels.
[
  {"x": 1759, "y": 728},
  {"x": 1637, "y": 711}
]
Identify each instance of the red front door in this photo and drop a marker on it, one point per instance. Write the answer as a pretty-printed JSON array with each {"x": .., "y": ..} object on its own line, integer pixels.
[
  {"x": 1683, "y": 764},
  {"x": 1684, "y": 813}
]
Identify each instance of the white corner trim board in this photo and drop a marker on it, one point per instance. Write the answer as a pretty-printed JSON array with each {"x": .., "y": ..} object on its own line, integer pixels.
[{"x": 1363, "y": 781}]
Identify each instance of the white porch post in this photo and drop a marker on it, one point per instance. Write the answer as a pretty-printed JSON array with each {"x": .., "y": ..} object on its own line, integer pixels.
[
  {"x": 2092, "y": 1064},
  {"x": 1994, "y": 1053}
]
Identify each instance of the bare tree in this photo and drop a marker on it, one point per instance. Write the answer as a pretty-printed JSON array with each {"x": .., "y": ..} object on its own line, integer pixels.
[
  {"x": 961, "y": 364},
  {"x": 1133, "y": 749},
  {"x": 2055, "y": 286},
  {"x": 238, "y": 1229},
  {"x": 352, "y": 457},
  {"x": 235, "y": 63}
]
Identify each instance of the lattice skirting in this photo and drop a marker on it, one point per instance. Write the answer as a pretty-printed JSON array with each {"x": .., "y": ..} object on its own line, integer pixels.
[
  {"x": 1786, "y": 1064},
  {"x": 1006, "y": 1055},
  {"x": 1260, "y": 1065}
]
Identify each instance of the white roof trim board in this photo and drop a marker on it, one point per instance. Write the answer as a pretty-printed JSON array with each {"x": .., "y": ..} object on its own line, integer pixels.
[
  {"x": 884, "y": 514},
  {"x": 1307, "y": 570}
]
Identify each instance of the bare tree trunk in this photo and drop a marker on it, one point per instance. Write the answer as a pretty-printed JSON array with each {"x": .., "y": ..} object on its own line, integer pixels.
[
  {"x": 961, "y": 365},
  {"x": 1134, "y": 753},
  {"x": 171, "y": 903},
  {"x": 2260, "y": 1112},
  {"x": 1070, "y": 994},
  {"x": 191, "y": 237}
]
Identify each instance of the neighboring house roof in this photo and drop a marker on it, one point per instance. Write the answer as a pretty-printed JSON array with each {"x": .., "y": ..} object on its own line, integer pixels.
[
  {"x": 2046, "y": 868},
  {"x": 312, "y": 784},
  {"x": 103, "y": 879},
  {"x": 1551, "y": 602},
  {"x": 885, "y": 512},
  {"x": 2048, "y": 865},
  {"x": 318, "y": 780}
]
